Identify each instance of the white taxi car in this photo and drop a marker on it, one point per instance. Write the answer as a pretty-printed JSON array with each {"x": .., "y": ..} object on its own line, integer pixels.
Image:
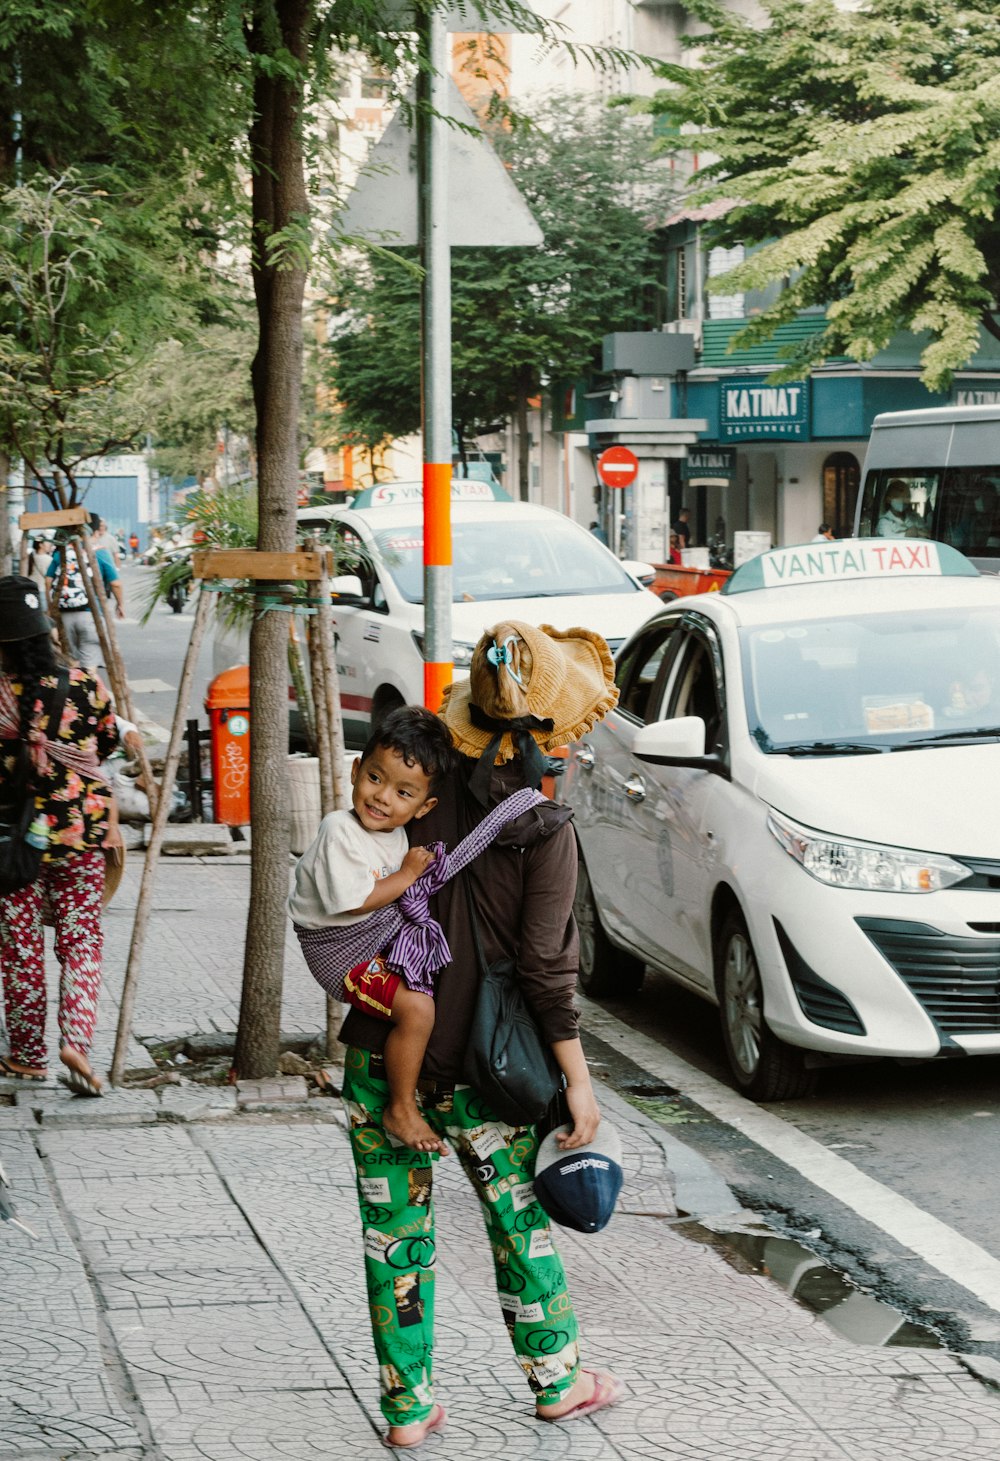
[
  {"x": 795, "y": 810},
  {"x": 511, "y": 560}
]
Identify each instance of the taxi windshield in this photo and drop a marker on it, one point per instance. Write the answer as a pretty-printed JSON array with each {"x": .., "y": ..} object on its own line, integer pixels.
[
  {"x": 523, "y": 558},
  {"x": 882, "y": 681}
]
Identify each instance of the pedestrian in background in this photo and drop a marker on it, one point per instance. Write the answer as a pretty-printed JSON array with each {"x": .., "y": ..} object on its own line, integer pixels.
[
  {"x": 599, "y": 532},
  {"x": 67, "y": 592},
  {"x": 38, "y": 562},
  {"x": 824, "y": 534},
  {"x": 106, "y": 541},
  {"x": 682, "y": 527},
  {"x": 74, "y": 812},
  {"x": 530, "y": 690},
  {"x": 133, "y": 544}
]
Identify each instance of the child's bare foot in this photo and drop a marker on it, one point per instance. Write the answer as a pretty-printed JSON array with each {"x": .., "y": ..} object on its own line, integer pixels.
[{"x": 407, "y": 1125}]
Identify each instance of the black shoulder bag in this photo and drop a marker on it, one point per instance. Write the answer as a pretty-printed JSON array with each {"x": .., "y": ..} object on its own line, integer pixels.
[
  {"x": 507, "y": 1062},
  {"x": 21, "y": 860}
]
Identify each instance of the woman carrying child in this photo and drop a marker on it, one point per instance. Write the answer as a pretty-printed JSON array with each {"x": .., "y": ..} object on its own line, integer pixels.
[
  {"x": 367, "y": 937},
  {"x": 530, "y": 690}
]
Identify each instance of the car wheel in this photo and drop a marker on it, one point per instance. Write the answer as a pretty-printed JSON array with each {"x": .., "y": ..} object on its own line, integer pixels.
[
  {"x": 604, "y": 969},
  {"x": 385, "y": 700},
  {"x": 668, "y": 596},
  {"x": 764, "y": 1067}
]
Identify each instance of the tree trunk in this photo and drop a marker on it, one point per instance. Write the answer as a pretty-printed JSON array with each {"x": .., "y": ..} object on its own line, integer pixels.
[
  {"x": 523, "y": 444},
  {"x": 279, "y": 200},
  {"x": 6, "y": 548}
]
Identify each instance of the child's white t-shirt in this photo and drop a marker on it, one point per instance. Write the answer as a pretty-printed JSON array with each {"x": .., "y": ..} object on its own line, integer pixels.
[{"x": 339, "y": 870}]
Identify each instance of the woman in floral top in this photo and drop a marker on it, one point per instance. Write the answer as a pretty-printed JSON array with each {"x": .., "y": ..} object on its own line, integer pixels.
[{"x": 73, "y": 806}]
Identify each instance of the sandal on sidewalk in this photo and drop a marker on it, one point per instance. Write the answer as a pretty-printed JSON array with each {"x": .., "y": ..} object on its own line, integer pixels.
[
  {"x": 79, "y": 1083},
  {"x": 8, "y": 1072},
  {"x": 435, "y": 1423},
  {"x": 608, "y": 1390}
]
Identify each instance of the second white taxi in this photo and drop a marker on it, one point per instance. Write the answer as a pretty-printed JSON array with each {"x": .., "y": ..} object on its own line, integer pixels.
[{"x": 795, "y": 810}]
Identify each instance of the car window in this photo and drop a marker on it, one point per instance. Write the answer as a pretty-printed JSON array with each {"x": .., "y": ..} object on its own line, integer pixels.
[
  {"x": 353, "y": 556},
  {"x": 694, "y": 691},
  {"x": 512, "y": 558},
  {"x": 960, "y": 506},
  {"x": 640, "y": 670}
]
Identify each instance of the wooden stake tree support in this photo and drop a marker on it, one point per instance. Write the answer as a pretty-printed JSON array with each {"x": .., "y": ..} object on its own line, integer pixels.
[{"x": 257, "y": 568}]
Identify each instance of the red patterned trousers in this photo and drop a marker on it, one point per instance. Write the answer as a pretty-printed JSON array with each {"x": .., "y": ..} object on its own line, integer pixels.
[{"x": 72, "y": 889}]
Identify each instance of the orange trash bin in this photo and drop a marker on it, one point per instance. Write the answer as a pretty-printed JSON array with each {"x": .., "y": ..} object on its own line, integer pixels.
[{"x": 228, "y": 706}]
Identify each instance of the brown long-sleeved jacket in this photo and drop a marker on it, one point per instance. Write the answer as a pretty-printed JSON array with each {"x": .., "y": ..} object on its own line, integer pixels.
[{"x": 523, "y": 889}]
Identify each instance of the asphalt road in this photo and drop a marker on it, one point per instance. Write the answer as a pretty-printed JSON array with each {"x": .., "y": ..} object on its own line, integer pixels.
[
  {"x": 154, "y": 653},
  {"x": 927, "y": 1133}
]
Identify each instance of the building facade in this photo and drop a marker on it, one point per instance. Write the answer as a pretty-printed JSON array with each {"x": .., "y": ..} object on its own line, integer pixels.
[{"x": 716, "y": 434}]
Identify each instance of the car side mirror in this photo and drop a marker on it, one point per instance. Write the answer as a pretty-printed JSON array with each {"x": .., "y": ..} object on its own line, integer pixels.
[
  {"x": 644, "y": 572},
  {"x": 346, "y": 587},
  {"x": 677, "y": 742}
]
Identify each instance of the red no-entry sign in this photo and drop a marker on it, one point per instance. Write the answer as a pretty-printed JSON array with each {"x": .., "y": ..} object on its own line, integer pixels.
[{"x": 617, "y": 466}]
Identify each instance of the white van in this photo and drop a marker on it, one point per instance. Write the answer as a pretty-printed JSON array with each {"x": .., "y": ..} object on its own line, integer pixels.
[
  {"x": 943, "y": 466},
  {"x": 511, "y": 560}
]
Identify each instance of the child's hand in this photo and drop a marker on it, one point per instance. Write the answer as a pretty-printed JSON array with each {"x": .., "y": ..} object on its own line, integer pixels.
[{"x": 417, "y": 861}]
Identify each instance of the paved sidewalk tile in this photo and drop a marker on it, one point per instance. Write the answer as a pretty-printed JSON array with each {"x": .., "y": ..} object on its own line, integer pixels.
[
  {"x": 192, "y": 1102},
  {"x": 267, "y": 1095},
  {"x": 226, "y": 1257},
  {"x": 224, "y": 1350},
  {"x": 116, "y": 1108},
  {"x": 55, "y": 1399}
]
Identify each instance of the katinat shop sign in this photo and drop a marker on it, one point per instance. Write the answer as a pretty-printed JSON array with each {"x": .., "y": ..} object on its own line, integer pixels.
[{"x": 749, "y": 408}]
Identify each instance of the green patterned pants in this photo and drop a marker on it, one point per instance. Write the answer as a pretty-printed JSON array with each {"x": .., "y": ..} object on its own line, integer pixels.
[{"x": 397, "y": 1217}]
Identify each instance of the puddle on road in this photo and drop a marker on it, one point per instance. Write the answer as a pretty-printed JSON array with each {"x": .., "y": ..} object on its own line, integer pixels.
[
  {"x": 744, "y": 1241},
  {"x": 849, "y": 1312}
]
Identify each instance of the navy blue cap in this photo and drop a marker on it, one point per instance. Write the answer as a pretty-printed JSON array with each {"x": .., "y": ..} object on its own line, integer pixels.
[{"x": 579, "y": 1187}]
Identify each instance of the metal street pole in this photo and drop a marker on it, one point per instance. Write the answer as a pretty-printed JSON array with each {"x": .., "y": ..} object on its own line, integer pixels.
[{"x": 432, "y": 185}]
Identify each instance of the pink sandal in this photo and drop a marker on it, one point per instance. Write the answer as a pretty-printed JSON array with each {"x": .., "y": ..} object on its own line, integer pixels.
[
  {"x": 608, "y": 1390},
  {"x": 436, "y": 1422}
]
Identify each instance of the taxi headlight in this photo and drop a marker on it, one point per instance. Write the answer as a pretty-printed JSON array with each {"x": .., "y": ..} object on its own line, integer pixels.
[
  {"x": 461, "y": 654},
  {"x": 868, "y": 866}
]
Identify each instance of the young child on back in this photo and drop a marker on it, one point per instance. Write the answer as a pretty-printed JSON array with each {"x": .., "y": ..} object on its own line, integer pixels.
[{"x": 361, "y": 861}]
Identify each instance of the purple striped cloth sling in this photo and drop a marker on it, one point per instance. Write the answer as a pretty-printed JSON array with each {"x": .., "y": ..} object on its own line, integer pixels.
[{"x": 412, "y": 942}]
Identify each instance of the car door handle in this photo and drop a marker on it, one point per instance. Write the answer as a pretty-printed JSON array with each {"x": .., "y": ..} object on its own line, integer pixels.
[
  {"x": 635, "y": 789},
  {"x": 585, "y": 758}
]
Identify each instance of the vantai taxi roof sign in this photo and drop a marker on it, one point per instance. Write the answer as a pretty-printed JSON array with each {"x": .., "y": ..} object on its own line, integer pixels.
[{"x": 853, "y": 558}]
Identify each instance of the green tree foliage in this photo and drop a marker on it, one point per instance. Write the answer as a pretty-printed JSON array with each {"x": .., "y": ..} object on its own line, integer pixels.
[
  {"x": 521, "y": 317},
  {"x": 117, "y": 180},
  {"x": 191, "y": 391},
  {"x": 861, "y": 148},
  {"x": 85, "y": 292}
]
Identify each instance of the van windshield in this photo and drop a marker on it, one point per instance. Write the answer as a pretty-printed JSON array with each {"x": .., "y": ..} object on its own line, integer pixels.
[
  {"x": 959, "y": 506},
  {"x": 519, "y": 559}
]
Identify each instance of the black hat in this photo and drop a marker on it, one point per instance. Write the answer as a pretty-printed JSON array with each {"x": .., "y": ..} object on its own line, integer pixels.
[
  {"x": 21, "y": 613},
  {"x": 579, "y": 1186}
]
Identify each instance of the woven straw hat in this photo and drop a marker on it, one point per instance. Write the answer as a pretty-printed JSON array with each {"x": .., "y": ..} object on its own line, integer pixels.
[{"x": 554, "y": 683}]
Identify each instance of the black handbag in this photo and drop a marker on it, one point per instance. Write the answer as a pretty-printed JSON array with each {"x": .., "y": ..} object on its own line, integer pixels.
[
  {"x": 20, "y": 858},
  {"x": 506, "y": 1061}
]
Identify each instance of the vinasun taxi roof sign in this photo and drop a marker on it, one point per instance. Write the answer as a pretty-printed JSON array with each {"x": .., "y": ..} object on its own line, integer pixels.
[
  {"x": 851, "y": 558},
  {"x": 400, "y": 494}
]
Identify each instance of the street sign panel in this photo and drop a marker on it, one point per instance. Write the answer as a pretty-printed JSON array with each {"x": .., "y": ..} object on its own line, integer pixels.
[
  {"x": 485, "y": 209},
  {"x": 617, "y": 466}
]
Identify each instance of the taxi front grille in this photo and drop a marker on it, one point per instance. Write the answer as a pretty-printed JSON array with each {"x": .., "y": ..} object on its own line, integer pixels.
[{"x": 956, "y": 978}]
